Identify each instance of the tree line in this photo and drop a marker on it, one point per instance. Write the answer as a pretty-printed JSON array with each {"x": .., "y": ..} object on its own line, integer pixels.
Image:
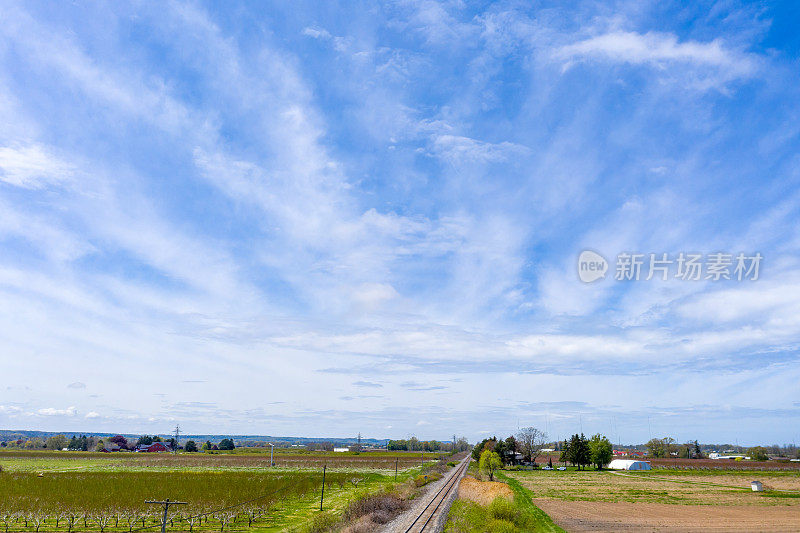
[
  {"x": 415, "y": 445},
  {"x": 526, "y": 446}
]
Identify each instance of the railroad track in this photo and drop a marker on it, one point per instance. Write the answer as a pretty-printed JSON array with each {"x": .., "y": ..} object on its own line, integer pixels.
[{"x": 427, "y": 519}]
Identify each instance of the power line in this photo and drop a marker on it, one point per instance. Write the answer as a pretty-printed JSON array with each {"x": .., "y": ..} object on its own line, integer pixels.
[
  {"x": 221, "y": 509},
  {"x": 166, "y": 503}
]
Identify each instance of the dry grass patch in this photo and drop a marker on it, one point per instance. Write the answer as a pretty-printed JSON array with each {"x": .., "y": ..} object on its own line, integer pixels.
[{"x": 483, "y": 492}]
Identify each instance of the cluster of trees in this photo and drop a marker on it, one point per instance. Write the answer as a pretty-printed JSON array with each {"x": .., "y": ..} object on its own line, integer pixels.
[
  {"x": 661, "y": 447},
  {"x": 224, "y": 444},
  {"x": 690, "y": 450},
  {"x": 55, "y": 442},
  {"x": 82, "y": 443},
  {"x": 415, "y": 445},
  {"x": 758, "y": 453},
  {"x": 528, "y": 442},
  {"x": 582, "y": 452},
  {"x": 88, "y": 442}
]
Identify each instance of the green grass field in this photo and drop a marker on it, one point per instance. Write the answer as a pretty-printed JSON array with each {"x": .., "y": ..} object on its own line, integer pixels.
[{"x": 81, "y": 491}]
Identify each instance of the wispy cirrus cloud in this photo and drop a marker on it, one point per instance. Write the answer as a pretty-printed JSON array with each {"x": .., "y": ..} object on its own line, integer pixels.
[
  {"x": 390, "y": 202},
  {"x": 713, "y": 63},
  {"x": 32, "y": 167}
]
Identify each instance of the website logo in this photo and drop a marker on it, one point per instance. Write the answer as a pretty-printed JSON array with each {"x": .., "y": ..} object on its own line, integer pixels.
[{"x": 591, "y": 266}]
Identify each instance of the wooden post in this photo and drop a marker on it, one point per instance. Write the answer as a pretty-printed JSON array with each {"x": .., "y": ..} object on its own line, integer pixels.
[
  {"x": 322, "y": 496},
  {"x": 166, "y": 503}
]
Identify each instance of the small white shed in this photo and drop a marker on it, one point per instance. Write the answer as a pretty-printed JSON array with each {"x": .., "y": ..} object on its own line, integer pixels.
[
  {"x": 756, "y": 486},
  {"x": 628, "y": 464}
]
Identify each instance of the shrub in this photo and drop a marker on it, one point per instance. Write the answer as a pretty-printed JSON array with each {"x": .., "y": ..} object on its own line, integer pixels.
[
  {"x": 322, "y": 522},
  {"x": 451, "y": 464},
  {"x": 422, "y": 480},
  {"x": 502, "y": 526},
  {"x": 502, "y": 509},
  {"x": 378, "y": 505}
]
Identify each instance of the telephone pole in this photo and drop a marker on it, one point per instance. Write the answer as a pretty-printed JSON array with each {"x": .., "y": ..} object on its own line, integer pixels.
[
  {"x": 177, "y": 436},
  {"x": 166, "y": 503}
]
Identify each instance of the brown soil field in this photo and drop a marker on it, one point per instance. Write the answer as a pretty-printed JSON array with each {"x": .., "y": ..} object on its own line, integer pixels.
[
  {"x": 653, "y": 487},
  {"x": 678, "y": 500},
  {"x": 770, "y": 482},
  {"x": 607, "y": 516},
  {"x": 482, "y": 492},
  {"x": 724, "y": 464}
]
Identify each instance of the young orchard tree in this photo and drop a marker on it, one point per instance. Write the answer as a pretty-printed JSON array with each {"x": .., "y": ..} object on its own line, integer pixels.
[{"x": 489, "y": 463}]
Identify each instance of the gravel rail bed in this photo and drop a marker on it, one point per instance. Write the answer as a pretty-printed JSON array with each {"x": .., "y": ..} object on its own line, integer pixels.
[{"x": 404, "y": 521}]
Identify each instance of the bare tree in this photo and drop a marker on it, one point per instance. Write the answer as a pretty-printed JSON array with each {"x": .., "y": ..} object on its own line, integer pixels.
[
  {"x": 102, "y": 520},
  {"x": 531, "y": 441},
  {"x": 7, "y": 517},
  {"x": 37, "y": 519},
  {"x": 191, "y": 519}
]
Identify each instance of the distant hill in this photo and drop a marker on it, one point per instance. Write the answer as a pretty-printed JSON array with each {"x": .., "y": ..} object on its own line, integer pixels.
[{"x": 7, "y": 435}]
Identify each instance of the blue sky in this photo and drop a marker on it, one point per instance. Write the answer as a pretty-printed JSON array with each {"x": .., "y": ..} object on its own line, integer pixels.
[{"x": 328, "y": 218}]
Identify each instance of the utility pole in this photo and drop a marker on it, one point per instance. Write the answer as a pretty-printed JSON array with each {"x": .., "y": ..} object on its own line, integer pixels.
[
  {"x": 358, "y": 448},
  {"x": 271, "y": 451},
  {"x": 322, "y": 496},
  {"x": 177, "y": 436},
  {"x": 166, "y": 503}
]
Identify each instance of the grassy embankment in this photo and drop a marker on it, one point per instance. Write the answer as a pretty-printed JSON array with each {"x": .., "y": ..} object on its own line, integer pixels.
[{"x": 498, "y": 507}]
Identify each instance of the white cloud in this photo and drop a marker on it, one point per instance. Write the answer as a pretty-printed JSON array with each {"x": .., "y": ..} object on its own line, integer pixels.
[
  {"x": 92, "y": 414},
  {"x": 50, "y": 411},
  {"x": 372, "y": 295},
  {"x": 32, "y": 167},
  {"x": 321, "y": 33},
  {"x": 10, "y": 409},
  {"x": 464, "y": 150},
  {"x": 663, "y": 50}
]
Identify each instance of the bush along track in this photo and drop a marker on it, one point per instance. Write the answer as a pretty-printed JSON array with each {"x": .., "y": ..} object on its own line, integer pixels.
[{"x": 501, "y": 515}]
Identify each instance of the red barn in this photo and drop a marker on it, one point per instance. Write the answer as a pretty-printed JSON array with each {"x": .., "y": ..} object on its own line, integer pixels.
[{"x": 155, "y": 447}]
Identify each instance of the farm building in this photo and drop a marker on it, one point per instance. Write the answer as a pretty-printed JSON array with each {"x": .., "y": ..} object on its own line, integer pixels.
[
  {"x": 156, "y": 447},
  {"x": 628, "y": 464}
]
